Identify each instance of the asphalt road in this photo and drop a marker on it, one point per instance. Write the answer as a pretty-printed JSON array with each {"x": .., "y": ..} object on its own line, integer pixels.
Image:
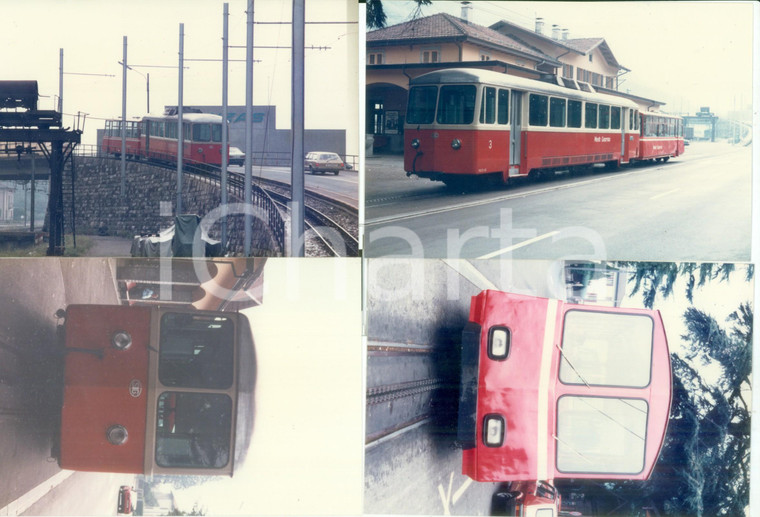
[
  {"x": 695, "y": 207},
  {"x": 344, "y": 186},
  {"x": 30, "y": 365}
]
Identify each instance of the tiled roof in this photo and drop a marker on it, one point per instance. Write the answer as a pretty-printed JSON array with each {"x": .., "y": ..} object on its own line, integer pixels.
[{"x": 443, "y": 26}]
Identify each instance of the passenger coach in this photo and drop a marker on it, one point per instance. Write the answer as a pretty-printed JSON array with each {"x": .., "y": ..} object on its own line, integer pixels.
[
  {"x": 467, "y": 122},
  {"x": 553, "y": 390}
]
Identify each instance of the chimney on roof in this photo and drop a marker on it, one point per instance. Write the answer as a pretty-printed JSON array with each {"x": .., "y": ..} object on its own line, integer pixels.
[
  {"x": 555, "y": 31},
  {"x": 565, "y": 34},
  {"x": 466, "y": 7},
  {"x": 539, "y": 25}
]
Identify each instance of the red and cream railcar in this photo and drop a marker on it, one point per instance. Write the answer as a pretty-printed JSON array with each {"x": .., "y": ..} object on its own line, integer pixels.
[
  {"x": 528, "y": 499},
  {"x": 468, "y": 122},
  {"x": 156, "y": 390},
  {"x": 112, "y": 138},
  {"x": 155, "y": 138},
  {"x": 553, "y": 390},
  {"x": 202, "y": 138},
  {"x": 661, "y": 136}
]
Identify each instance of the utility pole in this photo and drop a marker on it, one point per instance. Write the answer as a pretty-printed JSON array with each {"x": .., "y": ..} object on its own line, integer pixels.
[
  {"x": 297, "y": 238},
  {"x": 248, "y": 128},
  {"x": 124, "y": 122},
  {"x": 225, "y": 144},
  {"x": 180, "y": 133}
]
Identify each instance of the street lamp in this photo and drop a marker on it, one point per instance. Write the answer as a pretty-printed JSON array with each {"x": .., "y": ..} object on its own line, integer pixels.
[{"x": 147, "y": 82}]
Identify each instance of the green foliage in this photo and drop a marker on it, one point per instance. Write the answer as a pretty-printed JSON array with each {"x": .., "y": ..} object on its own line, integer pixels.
[{"x": 376, "y": 18}]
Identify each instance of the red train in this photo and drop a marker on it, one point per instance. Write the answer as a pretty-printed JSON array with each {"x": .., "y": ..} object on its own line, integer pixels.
[
  {"x": 467, "y": 122},
  {"x": 155, "y": 138},
  {"x": 552, "y": 390}
]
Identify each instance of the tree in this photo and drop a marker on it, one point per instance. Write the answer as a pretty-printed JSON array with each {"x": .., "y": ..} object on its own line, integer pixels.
[
  {"x": 376, "y": 18},
  {"x": 704, "y": 464},
  {"x": 653, "y": 278}
]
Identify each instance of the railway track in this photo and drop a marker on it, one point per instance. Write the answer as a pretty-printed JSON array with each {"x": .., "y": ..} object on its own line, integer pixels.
[
  {"x": 333, "y": 223},
  {"x": 406, "y": 387}
]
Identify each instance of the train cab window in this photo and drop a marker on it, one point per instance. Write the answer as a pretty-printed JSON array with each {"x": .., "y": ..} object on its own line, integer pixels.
[
  {"x": 604, "y": 117},
  {"x": 557, "y": 112},
  {"x": 193, "y": 430},
  {"x": 591, "y": 110},
  {"x": 503, "y": 107},
  {"x": 421, "y": 106},
  {"x": 201, "y": 132},
  {"x": 488, "y": 106},
  {"x": 538, "y": 110},
  {"x": 601, "y": 434},
  {"x": 606, "y": 349},
  {"x": 574, "y": 113},
  {"x": 456, "y": 104},
  {"x": 637, "y": 120},
  {"x": 615, "y": 117},
  {"x": 196, "y": 351}
]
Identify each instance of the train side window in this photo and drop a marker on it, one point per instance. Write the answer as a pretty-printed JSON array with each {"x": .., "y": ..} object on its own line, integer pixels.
[
  {"x": 216, "y": 132},
  {"x": 637, "y": 120},
  {"x": 538, "y": 112},
  {"x": 196, "y": 351},
  {"x": 574, "y": 113},
  {"x": 557, "y": 112},
  {"x": 591, "y": 110},
  {"x": 503, "y": 107},
  {"x": 615, "y": 117},
  {"x": 201, "y": 132},
  {"x": 604, "y": 117},
  {"x": 488, "y": 105}
]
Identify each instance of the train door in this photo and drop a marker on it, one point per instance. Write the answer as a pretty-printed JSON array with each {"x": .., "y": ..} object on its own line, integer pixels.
[
  {"x": 515, "y": 140},
  {"x": 623, "y": 120}
]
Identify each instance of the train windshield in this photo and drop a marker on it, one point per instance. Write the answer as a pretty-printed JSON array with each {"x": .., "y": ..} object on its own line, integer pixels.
[
  {"x": 456, "y": 104},
  {"x": 606, "y": 349},
  {"x": 193, "y": 430},
  {"x": 601, "y": 435},
  {"x": 421, "y": 108},
  {"x": 196, "y": 351},
  {"x": 207, "y": 132}
]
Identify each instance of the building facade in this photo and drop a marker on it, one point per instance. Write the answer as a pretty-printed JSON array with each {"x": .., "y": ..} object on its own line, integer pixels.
[{"x": 397, "y": 54}]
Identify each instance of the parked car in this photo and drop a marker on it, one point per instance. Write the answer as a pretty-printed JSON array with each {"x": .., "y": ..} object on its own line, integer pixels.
[
  {"x": 237, "y": 157},
  {"x": 321, "y": 162},
  {"x": 125, "y": 500}
]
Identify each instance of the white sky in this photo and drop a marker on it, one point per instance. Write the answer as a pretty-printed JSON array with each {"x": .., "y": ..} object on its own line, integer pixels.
[
  {"x": 91, "y": 35},
  {"x": 308, "y": 441},
  {"x": 686, "y": 54}
]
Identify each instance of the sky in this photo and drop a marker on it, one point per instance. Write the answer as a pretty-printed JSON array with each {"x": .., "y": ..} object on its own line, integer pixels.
[
  {"x": 91, "y": 36},
  {"x": 686, "y": 54},
  {"x": 307, "y": 447}
]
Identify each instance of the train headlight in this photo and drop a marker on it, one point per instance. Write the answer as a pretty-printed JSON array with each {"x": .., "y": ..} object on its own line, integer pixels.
[
  {"x": 121, "y": 340},
  {"x": 456, "y": 144},
  {"x": 416, "y": 143},
  {"x": 494, "y": 429},
  {"x": 499, "y": 341},
  {"x": 117, "y": 435}
]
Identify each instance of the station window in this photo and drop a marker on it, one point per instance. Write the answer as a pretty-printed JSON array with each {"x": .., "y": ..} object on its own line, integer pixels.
[
  {"x": 604, "y": 117},
  {"x": 488, "y": 105},
  {"x": 503, "y": 107},
  {"x": 375, "y": 58},
  {"x": 429, "y": 56},
  {"x": 537, "y": 110},
  {"x": 591, "y": 110},
  {"x": 574, "y": 113},
  {"x": 567, "y": 71},
  {"x": 557, "y": 112}
]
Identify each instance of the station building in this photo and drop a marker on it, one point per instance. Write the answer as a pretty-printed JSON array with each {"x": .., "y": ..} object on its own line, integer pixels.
[{"x": 399, "y": 53}]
